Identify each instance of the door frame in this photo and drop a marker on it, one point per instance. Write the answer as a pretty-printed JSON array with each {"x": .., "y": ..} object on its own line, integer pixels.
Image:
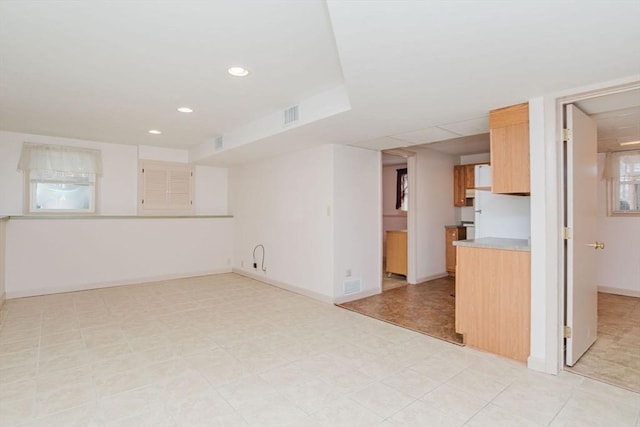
[
  {"x": 560, "y": 103},
  {"x": 410, "y": 157}
]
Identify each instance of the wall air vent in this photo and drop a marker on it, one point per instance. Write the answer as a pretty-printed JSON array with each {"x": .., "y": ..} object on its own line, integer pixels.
[
  {"x": 291, "y": 115},
  {"x": 218, "y": 143},
  {"x": 352, "y": 286}
]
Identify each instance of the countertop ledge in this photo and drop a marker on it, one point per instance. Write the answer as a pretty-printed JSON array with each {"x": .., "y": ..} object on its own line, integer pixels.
[
  {"x": 47, "y": 217},
  {"x": 496, "y": 243}
]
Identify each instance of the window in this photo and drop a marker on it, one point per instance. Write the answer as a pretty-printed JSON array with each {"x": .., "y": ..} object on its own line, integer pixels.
[
  {"x": 59, "y": 179},
  {"x": 622, "y": 169},
  {"x": 402, "y": 190},
  {"x": 165, "y": 188}
]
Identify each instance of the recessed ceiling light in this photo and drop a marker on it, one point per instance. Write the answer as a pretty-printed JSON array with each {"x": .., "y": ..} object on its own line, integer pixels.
[
  {"x": 155, "y": 132},
  {"x": 238, "y": 71},
  {"x": 185, "y": 110},
  {"x": 630, "y": 143}
]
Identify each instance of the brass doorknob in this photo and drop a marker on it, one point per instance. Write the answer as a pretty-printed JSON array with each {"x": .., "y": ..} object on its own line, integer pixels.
[{"x": 596, "y": 245}]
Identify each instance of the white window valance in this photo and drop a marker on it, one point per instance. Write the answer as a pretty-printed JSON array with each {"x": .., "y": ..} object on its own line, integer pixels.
[
  {"x": 60, "y": 159},
  {"x": 623, "y": 166}
]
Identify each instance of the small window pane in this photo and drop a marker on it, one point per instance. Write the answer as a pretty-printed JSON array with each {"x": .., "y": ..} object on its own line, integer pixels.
[
  {"x": 628, "y": 197},
  {"x": 63, "y": 197}
]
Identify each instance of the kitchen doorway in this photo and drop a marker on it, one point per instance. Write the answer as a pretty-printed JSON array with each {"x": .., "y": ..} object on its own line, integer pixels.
[
  {"x": 616, "y": 306},
  {"x": 397, "y": 185}
]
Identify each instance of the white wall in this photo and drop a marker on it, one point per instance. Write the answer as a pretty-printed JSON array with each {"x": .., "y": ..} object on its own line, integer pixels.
[
  {"x": 619, "y": 264},
  {"x": 475, "y": 158},
  {"x": 286, "y": 204},
  {"x": 57, "y": 255},
  {"x": 117, "y": 186},
  {"x": 392, "y": 218},
  {"x": 3, "y": 231},
  {"x": 80, "y": 254},
  {"x": 433, "y": 196},
  {"x": 357, "y": 222}
]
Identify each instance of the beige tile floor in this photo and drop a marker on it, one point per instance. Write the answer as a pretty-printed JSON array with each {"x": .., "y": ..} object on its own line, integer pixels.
[
  {"x": 229, "y": 351},
  {"x": 615, "y": 356}
]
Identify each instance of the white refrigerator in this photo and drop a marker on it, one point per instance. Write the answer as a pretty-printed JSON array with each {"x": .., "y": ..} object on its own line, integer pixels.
[{"x": 499, "y": 215}]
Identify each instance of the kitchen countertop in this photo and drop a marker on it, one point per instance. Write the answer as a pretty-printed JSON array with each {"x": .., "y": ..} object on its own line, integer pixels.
[{"x": 496, "y": 243}]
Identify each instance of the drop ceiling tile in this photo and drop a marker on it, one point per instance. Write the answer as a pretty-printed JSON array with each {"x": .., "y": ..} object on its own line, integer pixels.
[
  {"x": 424, "y": 136},
  {"x": 468, "y": 127}
]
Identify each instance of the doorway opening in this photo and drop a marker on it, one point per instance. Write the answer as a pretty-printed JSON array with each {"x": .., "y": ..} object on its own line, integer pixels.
[
  {"x": 615, "y": 283},
  {"x": 396, "y": 199}
]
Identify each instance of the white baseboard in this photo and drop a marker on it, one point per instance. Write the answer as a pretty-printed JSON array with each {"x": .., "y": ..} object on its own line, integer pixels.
[
  {"x": 287, "y": 287},
  {"x": 134, "y": 281},
  {"x": 352, "y": 297},
  {"x": 433, "y": 277},
  {"x": 537, "y": 364},
  {"x": 619, "y": 291}
]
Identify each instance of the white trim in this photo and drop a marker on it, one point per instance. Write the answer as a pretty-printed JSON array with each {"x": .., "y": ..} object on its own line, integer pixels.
[
  {"x": 285, "y": 286},
  {"x": 353, "y": 297},
  {"x": 432, "y": 277},
  {"x": 136, "y": 281},
  {"x": 554, "y": 262},
  {"x": 412, "y": 218},
  {"x": 536, "y": 364},
  {"x": 619, "y": 291}
]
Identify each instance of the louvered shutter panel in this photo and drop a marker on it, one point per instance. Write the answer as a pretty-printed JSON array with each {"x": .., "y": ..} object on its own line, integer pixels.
[
  {"x": 179, "y": 185},
  {"x": 155, "y": 188},
  {"x": 165, "y": 188}
]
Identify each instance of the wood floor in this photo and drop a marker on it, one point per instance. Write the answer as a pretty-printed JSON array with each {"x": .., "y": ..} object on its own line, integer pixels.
[
  {"x": 427, "y": 307},
  {"x": 615, "y": 356}
]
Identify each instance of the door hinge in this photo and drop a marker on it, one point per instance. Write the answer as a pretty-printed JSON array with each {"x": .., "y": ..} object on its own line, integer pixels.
[
  {"x": 567, "y": 233},
  {"x": 566, "y": 332},
  {"x": 143, "y": 201},
  {"x": 142, "y": 170},
  {"x": 566, "y": 134}
]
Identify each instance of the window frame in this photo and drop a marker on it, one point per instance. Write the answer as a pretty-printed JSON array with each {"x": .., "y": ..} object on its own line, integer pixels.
[
  {"x": 59, "y": 165},
  {"x": 30, "y": 196},
  {"x": 613, "y": 190}
]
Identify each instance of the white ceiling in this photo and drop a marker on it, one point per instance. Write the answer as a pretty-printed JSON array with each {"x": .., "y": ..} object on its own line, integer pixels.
[{"x": 376, "y": 74}]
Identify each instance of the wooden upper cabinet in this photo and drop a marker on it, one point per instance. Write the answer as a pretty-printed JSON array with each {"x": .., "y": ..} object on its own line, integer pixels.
[
  {"x": 509, "y": 129},
  {"x": 460, "y": 181},
  {"x": 470, "y": 176}
]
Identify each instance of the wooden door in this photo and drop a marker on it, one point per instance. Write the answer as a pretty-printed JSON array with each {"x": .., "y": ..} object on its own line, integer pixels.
[{"x": 581, "y": 248}]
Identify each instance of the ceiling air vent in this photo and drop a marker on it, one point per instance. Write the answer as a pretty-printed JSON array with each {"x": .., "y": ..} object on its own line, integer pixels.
[
  {"x": 291, "y": 115},
  {"x": 218, "y": 143}
]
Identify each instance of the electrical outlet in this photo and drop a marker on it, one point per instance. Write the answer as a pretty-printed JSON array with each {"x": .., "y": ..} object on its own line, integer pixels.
[
  {"x": 241, "y": 263},
  {"x": 255, "y": 265}
]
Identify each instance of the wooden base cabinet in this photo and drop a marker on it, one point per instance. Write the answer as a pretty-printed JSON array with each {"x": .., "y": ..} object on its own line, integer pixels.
[
  {"x": 396, "y": 252},
  {"x": 453, "y": 233},
  {"x": 493, "y": 300}
]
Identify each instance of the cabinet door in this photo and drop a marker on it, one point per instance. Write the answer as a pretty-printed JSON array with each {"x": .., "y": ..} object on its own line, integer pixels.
[
  {"x": 470, "y": 176},
  {"x": 459, "y": 190},
  {"x": 451, "y": 236},
  {"x": 509, "y": 133},
  {"x": 397, "y": 252}
]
